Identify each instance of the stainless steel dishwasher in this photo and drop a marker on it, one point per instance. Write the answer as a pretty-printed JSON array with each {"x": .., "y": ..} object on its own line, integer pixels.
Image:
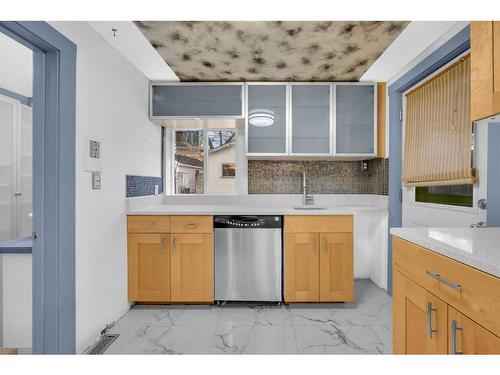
[{"x": 248, "y": 258}]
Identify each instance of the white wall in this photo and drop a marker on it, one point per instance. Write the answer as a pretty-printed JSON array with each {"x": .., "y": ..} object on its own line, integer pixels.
[
  {"x": 111, "y": 107},
  {"x": 16, "y": 66}
]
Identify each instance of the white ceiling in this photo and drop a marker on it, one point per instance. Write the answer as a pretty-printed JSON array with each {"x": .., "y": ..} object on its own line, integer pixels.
[
  {"x": 414, "y": 43},
  {"x": 132, "y": 44}
]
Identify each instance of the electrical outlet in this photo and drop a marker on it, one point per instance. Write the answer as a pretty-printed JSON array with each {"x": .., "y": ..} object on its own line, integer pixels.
[
  {"x": 95, "y": 149},
  {"x": 96, "y": 180},
  {"x": 157, "y": 189}
]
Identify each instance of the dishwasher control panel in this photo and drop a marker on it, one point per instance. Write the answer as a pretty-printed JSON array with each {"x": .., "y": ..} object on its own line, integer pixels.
[{"x": 248, "y": 221}]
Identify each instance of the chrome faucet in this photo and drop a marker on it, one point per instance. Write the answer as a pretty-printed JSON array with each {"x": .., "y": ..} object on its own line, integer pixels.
[{"x": 307, "y": 199}]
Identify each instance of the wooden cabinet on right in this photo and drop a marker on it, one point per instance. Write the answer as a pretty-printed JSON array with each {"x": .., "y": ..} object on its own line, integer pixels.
[
  {"x": 433, "y": 315},
  {"x": 485, "y": 69},
  {"x": 318, "y": 256}
]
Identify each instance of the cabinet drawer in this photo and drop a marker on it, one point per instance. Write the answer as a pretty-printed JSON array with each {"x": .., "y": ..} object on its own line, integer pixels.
[
  {"x": 192, "y": 224},
  {"x": 477, "y": 295},
  {"x": 318, "y": 224},
  {"x": 148, "y": 224}
]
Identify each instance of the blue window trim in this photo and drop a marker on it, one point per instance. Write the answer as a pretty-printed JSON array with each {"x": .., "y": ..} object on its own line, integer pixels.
[
  {"x": 54, "y": 99},
  {"x": 454, "y": 47},
  {"x": 14, "y": 95}
]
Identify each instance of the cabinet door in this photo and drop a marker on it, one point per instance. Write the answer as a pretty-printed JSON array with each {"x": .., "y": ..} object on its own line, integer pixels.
[
  {"x": 311, "y": 119},
  {"x": 336, "y": 267},
  {"x": 355, "y": 119},
  {"x": 148, "y": 268},
  {"x": 301, "y": 267},
  {"x": 192, "y": 268},
  {"x": 468, "y": 337},
  {"x": 419, "y": 319},
  {"x": 188, "y": 100},
  {"x": 267, "y": 119}
]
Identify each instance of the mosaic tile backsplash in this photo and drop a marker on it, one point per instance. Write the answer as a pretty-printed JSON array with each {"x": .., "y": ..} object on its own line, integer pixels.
[
  {"x": 323, "y": 177},
  {"x": 138, "y": 186}
]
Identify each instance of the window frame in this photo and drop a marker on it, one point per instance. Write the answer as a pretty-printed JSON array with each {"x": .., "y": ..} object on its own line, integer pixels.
[
  {"x": 411, "y": 190},
  {"x": 205, "y": 164}
]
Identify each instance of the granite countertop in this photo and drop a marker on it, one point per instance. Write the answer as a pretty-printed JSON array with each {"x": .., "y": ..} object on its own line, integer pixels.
[
  {"x": 476, "y": 247},
  {"x": 19, "y": 246},
  {"x": 247, "y": 210}
]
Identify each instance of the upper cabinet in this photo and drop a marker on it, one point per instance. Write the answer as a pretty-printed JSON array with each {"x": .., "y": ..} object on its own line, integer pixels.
[
  {"x": 174, "y": 100},
  {"x": 355, "y": 119},
  {"x": 485, "y": 69},
  {"x": 267, "y": 119},
  {"x": 294, "y": 120},
  {"x": 311, "y": 119}
]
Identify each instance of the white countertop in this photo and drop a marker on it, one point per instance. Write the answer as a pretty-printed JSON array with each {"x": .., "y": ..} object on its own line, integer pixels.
[
  {"x": 245, "y": 210},
  {"x": 476, "y": 247}
]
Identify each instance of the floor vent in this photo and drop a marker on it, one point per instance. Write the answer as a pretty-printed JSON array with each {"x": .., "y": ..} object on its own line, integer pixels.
[{"x": 102, "y": 344}]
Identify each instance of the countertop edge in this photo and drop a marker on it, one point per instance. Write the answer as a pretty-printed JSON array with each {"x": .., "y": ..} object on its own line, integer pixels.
[{"x": 448, "y": 251}]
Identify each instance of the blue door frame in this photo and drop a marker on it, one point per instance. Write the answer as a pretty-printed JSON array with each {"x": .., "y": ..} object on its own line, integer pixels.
[
  {"x": 54, "y": 97},
  {"x": 454, "y": 47}
]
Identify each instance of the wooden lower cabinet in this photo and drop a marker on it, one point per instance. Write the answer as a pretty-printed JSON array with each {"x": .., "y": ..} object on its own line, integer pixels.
[
  {"x": 419, "y": 319},
  {"x": 468, "y": 337},
  {"x": 148, "y": 267},
  {"x": 192, "y": 267},
  {"x": 170, "y": 259},
  {"x": 318, "y": 255},
  {"x": 462, "y": 320},
  {"x": 336, "y": 270},
  {"x": 301, "y": 267}
]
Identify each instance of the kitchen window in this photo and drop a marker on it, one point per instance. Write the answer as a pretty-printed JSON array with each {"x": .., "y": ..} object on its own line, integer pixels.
[{"x": 205, "y": 161}]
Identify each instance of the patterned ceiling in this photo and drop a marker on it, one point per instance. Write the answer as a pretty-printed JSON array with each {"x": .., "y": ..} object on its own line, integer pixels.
[{"x": 270, "y": 51}]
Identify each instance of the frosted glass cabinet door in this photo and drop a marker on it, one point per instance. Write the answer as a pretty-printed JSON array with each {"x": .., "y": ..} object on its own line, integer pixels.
[
  {"x": 197, "y": 100},
  {"x": 266, "y": 119},
  {"x": 311, "y": 119},
  {"x": 355, "y": 119},
  {"x": 8, "y": 111}
]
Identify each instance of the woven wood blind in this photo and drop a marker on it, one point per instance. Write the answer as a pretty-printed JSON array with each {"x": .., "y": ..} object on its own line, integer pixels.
[{"x": 438, "y": 130}]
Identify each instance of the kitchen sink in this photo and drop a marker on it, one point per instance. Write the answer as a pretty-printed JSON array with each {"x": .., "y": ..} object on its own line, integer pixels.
[{"x": 305, "y": 208}]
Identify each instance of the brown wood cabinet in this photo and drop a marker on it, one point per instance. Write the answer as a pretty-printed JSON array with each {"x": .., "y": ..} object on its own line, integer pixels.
[
  {"x": 170, "y": 259},
  {"x": 468, "y": 337},
  {"x": 148, "y": 267},
  {"x": 301, "y": 267},
  {"x": 192, "y": 267},
  {"x": 318, "y": 257},
  {"x": 485, "y": 69},
  {"x": 419, "y": 319},
  {"x": 442, "y": 306}
]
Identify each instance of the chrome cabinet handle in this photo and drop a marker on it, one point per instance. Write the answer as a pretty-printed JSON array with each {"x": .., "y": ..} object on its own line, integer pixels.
[
  {"x": 148, "y": 225},
  {"x": 454, "y": 328},
  {"x": 436, "y": 276},
  {"x": 430, "y": 330},
  {"x": 190, "y": 225},
  {"x": 173, "y": 245},
  {"x": 325, "y": 245}
]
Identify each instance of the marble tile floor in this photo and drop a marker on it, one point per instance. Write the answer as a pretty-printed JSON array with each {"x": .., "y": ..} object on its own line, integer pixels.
[{"x": 361, "y": 327}]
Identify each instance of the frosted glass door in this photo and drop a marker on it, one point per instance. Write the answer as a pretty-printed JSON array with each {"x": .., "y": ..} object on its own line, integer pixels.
[
  {"x": 267, "y": 119},
  {"x": 197, "y": 100},
  {"x": 310, "y": 119},
  {"x": 25, "y": 175},
  {"x": 355, "y": 119},
  {"x": 8, "y": 117}
]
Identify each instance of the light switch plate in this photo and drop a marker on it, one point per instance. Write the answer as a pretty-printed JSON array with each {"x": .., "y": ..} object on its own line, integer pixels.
[{"x": 96, "y": 180}]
